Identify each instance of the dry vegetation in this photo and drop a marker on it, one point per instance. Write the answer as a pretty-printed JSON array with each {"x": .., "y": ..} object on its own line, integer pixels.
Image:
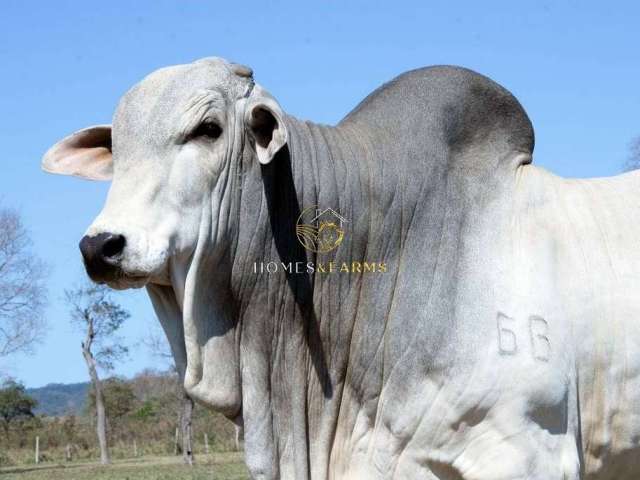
[{"x": 143, "y": 417}]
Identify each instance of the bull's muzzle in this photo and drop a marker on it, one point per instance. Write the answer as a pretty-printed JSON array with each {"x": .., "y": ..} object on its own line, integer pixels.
[{"x": 102, "y": 255}]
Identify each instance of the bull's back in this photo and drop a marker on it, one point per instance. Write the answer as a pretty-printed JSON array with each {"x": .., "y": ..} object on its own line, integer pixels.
[{"x": 593, "y": 227}]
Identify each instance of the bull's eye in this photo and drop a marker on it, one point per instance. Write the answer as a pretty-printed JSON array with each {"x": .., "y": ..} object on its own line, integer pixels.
[{"x": 207, "y": 129}]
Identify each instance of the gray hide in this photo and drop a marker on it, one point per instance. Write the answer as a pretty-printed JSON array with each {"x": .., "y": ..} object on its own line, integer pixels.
[{"x": 501, "y": 343}]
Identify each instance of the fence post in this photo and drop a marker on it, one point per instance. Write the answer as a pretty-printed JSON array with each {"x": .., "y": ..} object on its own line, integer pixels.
[
  {"x": 175, "y": 450},
  {"x": 135, "y": 448},
  {"x": 206, "y": 444},
  {"x": 186, "y": 426},
  {"x": 37, "y": 449},
  {"x": 68, "y": 452},
  {"x": 239, "y": 435}
]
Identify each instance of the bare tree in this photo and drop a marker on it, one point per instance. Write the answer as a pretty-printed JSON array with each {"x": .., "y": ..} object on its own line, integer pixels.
[
  {"x": 186, "y": 425},
  {"x": 633, "y": 162},
  {"x": 23, "y": 294},
  {"x": 157, "y": 343},
  {"x": 100, "y": 318}
]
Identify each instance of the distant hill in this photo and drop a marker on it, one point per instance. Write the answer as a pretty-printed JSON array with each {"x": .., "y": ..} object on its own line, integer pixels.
[{"x": 60, "y": 399}]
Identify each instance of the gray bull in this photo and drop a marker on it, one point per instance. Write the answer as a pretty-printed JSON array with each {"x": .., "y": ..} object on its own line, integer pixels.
[{"x": 481, "y": 318}]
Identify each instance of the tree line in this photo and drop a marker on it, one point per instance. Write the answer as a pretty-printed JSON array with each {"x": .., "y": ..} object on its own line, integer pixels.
[{"x": 144, "y": 417}]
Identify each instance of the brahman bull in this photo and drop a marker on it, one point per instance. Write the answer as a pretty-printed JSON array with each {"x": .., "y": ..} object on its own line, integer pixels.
[{"x": 468, "y": 316}]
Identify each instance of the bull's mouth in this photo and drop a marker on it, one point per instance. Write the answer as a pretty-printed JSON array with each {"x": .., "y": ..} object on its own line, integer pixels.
[
  {"x": 115, "y": 276},
  {"x": 125, "y": 282},
  {"x": 121, "y": 279}
]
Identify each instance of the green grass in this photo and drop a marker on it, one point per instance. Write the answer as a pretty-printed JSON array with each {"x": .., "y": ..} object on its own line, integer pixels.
[{"x": 218, "y": 466}]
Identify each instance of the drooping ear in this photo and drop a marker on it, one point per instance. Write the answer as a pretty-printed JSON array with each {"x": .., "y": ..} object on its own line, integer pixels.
[
  {"x": 85, "y": 153},
  {"x": 264, "y": 120}
]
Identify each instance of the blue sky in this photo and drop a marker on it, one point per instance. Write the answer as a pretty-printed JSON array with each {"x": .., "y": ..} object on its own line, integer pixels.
[{"x": 575, "y": 66}]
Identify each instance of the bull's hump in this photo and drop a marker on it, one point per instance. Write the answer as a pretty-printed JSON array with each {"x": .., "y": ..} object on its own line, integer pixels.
[{"x": 454, "y": 104}]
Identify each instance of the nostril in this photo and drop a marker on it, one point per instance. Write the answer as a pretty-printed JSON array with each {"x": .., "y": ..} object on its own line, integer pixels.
[
  {"x": 113, "y": 246},
  {"x": 102, "y": 255}
]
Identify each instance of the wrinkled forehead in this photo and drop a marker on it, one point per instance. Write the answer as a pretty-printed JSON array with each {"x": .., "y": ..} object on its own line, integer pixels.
[{"x": 151, "y": 110}]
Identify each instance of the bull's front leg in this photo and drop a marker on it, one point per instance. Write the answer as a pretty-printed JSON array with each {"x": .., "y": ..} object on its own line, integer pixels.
[
  {"x": 517, "y": 438},
  {"x": 466, "y": 434},
  {"x": 513, "y": 415},
  {"x": 509, "y": 414}
]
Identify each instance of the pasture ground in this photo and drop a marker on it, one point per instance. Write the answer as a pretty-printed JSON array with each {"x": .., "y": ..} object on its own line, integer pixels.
[{"x": 215, "y": 466}]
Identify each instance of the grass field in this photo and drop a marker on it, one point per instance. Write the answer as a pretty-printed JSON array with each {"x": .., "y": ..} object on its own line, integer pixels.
[{"x": 218, "y": 466}]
